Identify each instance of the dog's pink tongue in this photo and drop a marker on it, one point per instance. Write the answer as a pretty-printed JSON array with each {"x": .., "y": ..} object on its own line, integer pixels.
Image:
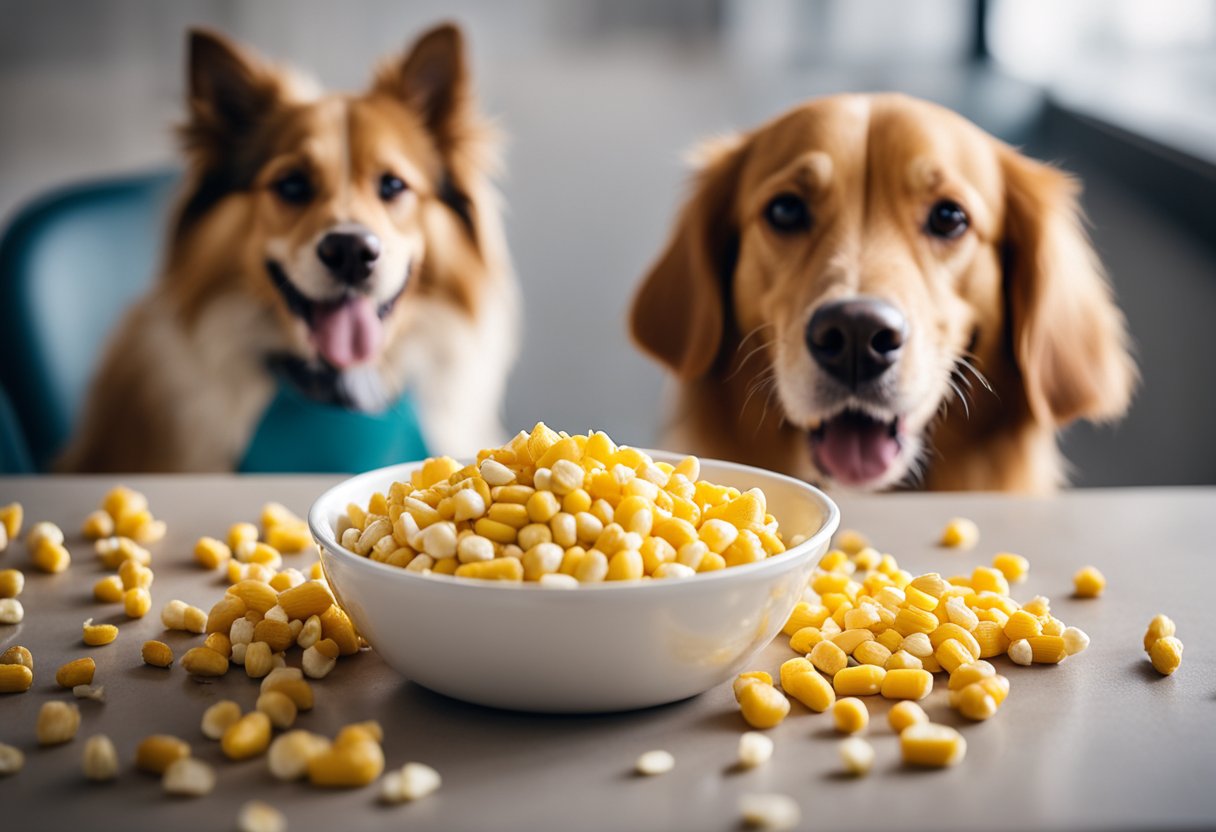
[
  {"x": 856, "y": 451},
  {"x": 348, "y": 332}
]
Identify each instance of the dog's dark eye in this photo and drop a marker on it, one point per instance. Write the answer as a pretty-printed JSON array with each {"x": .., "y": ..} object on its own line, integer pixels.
[
  {"x": 787, "y": 213},
  {"x": 391, "y": 187},
  {"x": 294, "y": 187},
  {"x": 947, "y": 220}
]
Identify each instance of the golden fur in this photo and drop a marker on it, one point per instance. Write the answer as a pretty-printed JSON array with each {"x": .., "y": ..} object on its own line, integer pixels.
[
  {"x": 183, "y": 382},
  {"x": 1019, "y": 298}
]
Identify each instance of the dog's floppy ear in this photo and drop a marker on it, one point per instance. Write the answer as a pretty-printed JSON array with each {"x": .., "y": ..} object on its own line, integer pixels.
[
  {"x": 679, "y": 312},
  {"x": 1069, "y": 338}
]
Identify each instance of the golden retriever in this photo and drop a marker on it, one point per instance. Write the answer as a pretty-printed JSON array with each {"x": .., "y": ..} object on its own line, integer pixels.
[
  {"x": 871, "y": 292},
  {"x": 351, "y": 244}
]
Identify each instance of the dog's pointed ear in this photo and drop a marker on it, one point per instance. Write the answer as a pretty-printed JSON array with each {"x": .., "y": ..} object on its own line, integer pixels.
[
  {"x": 679, "y": 312},
  {"x": 229, "y": 90},
  {"x": 1069, "y": 338},
  {"x": 433, "y": 79}
]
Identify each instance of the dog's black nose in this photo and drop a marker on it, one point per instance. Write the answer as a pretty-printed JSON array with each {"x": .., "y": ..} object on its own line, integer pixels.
[
  {"x": 349, "y": 255},
  {"x": 856, "y": 340}
]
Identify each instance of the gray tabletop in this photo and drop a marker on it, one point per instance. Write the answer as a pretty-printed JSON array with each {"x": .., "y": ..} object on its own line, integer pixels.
[{"x": 1098, "y": 742}]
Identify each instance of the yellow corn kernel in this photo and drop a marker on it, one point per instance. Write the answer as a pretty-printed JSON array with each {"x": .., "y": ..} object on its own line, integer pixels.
[
  {"x": 625, "y": 565},
  {"x": 907, "y": 684},
  {"x": 1015, "y": 568},
  {"x": 997, "y": 687},
  {"x": 15, "y": 678},
  {"x": 920, "y": 600},
  {"x": 986, "y": 578},
  {"x": 156, "y": 653},
  {"x": 805, "y": 639},
  {"x": 498, "y": 569},
  {"x": 761, "y": 704},
  {"x": 11, "y": 516},
  {"x": 1053, "y": 626},
  {"x": 121, "y": 500},
  {"x": 95, "y": 635},
  {"x": 347, "y": 765},
  {"x": 805, "y": 615},
  {"x": 257, "y": 595},
  {"x": 12, "y": 582},
  {"x": 17, "y": 655},
  {"x": 50, "y": 556},
  {"x": 136, "y": 602},
  {"x": 1088, "y": 583},
  {"x": 800, "y": 680},
  {"x": 849, "y": 715},
  {"x": 203, "y": 661},
  {"x": 951, "y": 654},
  {"x": 931, "y": 745},
  {"x": 76, "y": 672},
  {"x": 903, "y": 660},
  {"x": 960, "y": 533},
  {"x": 100, "y": 759},
  {"x": 211, "y": 553},
  {"x": 975, "y": 703},
  {"x": 1166, "y": 655},
  {"x": 308, "y": 599},
  {"x": 336, "y": 625},
  {"x": 835, "y": 560},
  {"x": 966, "y": 674},
  {"x": 829, "y": 658},
  {"x": 226, "y": 610},
  {"x": 240, "y": 533},
  {"x": 248, "y": 737},
  {"x": 991, "y": 638},
  {"x": 1047, "y": 649},
  {"x": 864, "y": 617},
  {"x": 1022, "y": 625},
  {"x": 134, "y": 574},
  {"x": 911, "y": 620},
  {"x": 11, "y": 611},
  {"x": 851, "y": 542},
  {"x": 108, "y": 590},
  {"x": 905, "y": 714},
  {"x": 97, "y": 524},
  {"x": 953, "y": 631},
  {"x": 157, "y": 752},
  {"x": 873, "y": 653},
  {"x": 862, "y": 680},
  {"x": 1160, "y": 627},
  {"x": 850, "y": 640},
  {"x": 57, "y": 722}
]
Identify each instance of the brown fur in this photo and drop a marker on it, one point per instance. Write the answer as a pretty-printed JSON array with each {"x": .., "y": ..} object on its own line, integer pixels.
[
  {"x": 1020, "y": 294},
  {"x": 215, "y": 313}
]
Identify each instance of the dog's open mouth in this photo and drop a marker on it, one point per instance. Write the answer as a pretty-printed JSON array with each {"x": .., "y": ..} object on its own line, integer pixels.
[
  {"x": 346, "y": 331},
  {"x": 855, "y": 448}
]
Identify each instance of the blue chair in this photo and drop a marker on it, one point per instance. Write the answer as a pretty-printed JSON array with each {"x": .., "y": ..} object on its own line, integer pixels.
[{"x": 71, "y": 263}]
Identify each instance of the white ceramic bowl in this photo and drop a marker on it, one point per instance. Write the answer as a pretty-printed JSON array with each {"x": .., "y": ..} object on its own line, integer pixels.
[{"x": 601, "y": 647}]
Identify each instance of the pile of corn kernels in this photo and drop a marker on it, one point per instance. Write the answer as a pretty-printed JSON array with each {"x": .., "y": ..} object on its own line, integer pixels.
[{"x": 562, "y": 510}]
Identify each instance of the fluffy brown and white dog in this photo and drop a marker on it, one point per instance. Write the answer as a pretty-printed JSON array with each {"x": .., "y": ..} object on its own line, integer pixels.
[
  {"x": 354, "y": 239},
  {"x": 869, "y": 291}
]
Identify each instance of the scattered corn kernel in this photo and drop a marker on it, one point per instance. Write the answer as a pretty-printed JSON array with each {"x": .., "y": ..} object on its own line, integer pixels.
[
  {"x": 1166, "y": 655},
  {"x": 907, "y": 684},
  {"x": 1075, "y": 640},
  {"x": 1160, "y": 627},
  {"x": 1088, "y": 582},
  {"x": 219, "y": 718},
  {"x": 279, "y": 707},
  {"x": 1021, "y": 653},
  {"x": 904, "y": 714},
  {"x": 15, "y": 678},
  {"x": 156, "y": 653},
  {"x": 800, "y": 680},
  {"x": 99, "y": 758},
  {"x": 652, "y": 763},
  {"x": 849, "y": 715},
  {"x": 755, "y": 749},
  {"x": 211, "y": 553},
  {"x": 95, "y": 635},
  {"x": 1015, "y": 568},
  {"x": 188, "y": 777},
  {"x": 761, "y": 704},
  {"x": 248, "y": 737},
  {"x": 12, "y": 581},
  {"x": 769, "y": 811},
  {"x": 290, "y": 753},
  {"x": 862, "y": 680},
  {"x": 17, "y": 655},
  {"x": 96, "y": 693},
  {"x": 347, "y": 763},
  {"x": 960, "y": 533},
  {"x": 76, "y": 672},
  {"x": 11, "y": 516},
  {"x": 57, "y": 722},
  {"x": 136, "y": 602},
  {"x": 11, "y": 611},
  {"x": 203, "y": 661},
  {"x": 256, "y": 816},
  {"x": 412, "y": 781},
  {"x": 931, "y": 745},
  {"x": 857, "y": 756},
  {"x": 155, "y": 753},
  {"x": 12, "y": 760}
]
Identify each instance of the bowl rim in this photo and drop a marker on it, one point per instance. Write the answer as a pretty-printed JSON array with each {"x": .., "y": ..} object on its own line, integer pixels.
[{"x": 329, "y": 543}]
